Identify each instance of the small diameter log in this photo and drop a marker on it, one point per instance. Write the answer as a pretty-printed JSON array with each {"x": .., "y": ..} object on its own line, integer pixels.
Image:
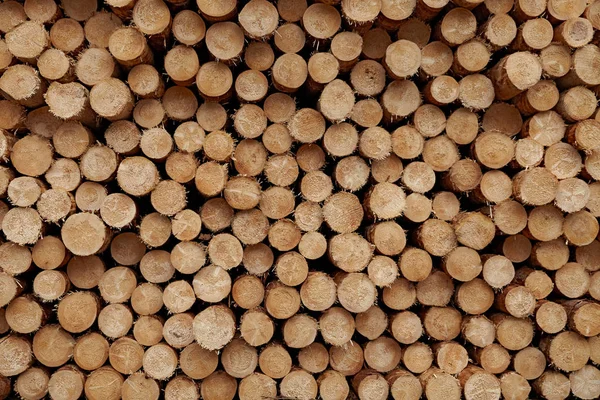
[
  {"x": 214, "y": 81},
  {"x": 552, "y": 385},
  {"x": 219, "y": 385},
  {"x": 78, "y": 311},
  {"x": 367, "y": 113},
  {"x": 79, "y": 10},
  {"x": 91, "y": 351},
  {"x": 435, "y": 290},
  {"x": 314, "y": 358},
  {"x": 188, "y": 27},
  {"x": 148, "y": 330},
  {"x": 215, "y": 318},
  {"x": 517, "y": 301},
  {"x": 24, "y": 191},
  {"x": 451, "y": 357},
  {"x": 196, "y": 362},
  {"x": 53, "y": 64},
  {"x": 259, "y": 56},
  {"x": 402, "y": 67},
  {"x": 156, "y": 267},
  {"x": 111, "y": 99},
  {"x": 471, "y": 88},
  {"x": 117, "y": 284},
  {"x": 575, "y": 104},
  {"x": 347, "y": 359},
  {"x": 225, "y": 41},
  {"x": 515, "y": 73},
  {"x": 127, "y": 248},
  {"x": 428, "y": 9},
  {"x": 550, "y": 255},
  {"x": 498, "y": 271},
  {"x": 51, "y": 285},
  {"x": 177, "y": 330},
  {"x": 145, "y": 81},
  {"x": 77, "y": 105},
  {"x": 538, "y": 282},
  {"x": 539, "y": 177},
  {"x": 12, "y": 114},
  {"x": 463, "y": 264},
  {"x": 249, "y": 121},
  {"x": 260, "y": 385},
  {"x": 14, "y": 15},
  {"x": 129, "y": 47},
  {"x": 400, "y": 99},
  {"x": 499, "y": 31},
  {"x": 275, "y": 361},
  {"x": 337, "y": 326},
  {"x": 22, "y": 84},
  {"x": 473, "y": 378},
  {"x": 300, "y": 331},
  {"x": 239, "y": 359},
  {"x": 456, "y": 27},
  {"x": 574, "y": 32},
  {"x": 478, "y": 330},
  {"x": 42, "y": 11},
  {"x": 514, "y": 386},
  {"x": 572, "y": 281},
  {"x": 49, "y": 253},
  {"x": 180, "y": 103},
  {"x": 551, "y": 317},
  {"x": 370, "y": 384},
  {"x": 138, "y": 384},
  {"x": 412, "y": 29},
  {"x": 66, "y": 383},
  {"x": 32, "y": 383},
  {"x": 67, "y": 35},
  {"x": 471, "y": 57},
  {"x": 55, "y": 205},
  {"x": 25, "y": 315},
  {"x": 573, "y": 354},
  {"x": 256, "y": 328},
  {"x": 442, "y": 90},
  {"x": 153, "y": 18},
  {"x": 84, "y": 234},
  {"x": 99, "y": 28},
  {"x": 160, "y": 361},
  {"x": 214, "y": 12},
  {"x": 525, "y": 10},
  {"x": 541, "y": 97},
  {"x": 534, "y": 34},
  {"x": 582, "y": 135},
  {"x": 52, "y": 346},
  {"x": 147, "y": 299},
  {"x": 148, "y": 113},
  {"x": 103, "y": 383},
  {"x": 437, "y": 383},
  {"x": 503, "y": 118},
  {"x": 556, "y": 60},
  {"x": 418, "y": 357},
  {"x": 85, "y": 272},
  {"x": 72, "y": 139},
  {"x": 546, "y": 128},
  {"x": 22, "y": 225},
  {"x": 493, "y": 358},
  {"x": 581, "y": 382},
  {"x": 28, "y": 40}
]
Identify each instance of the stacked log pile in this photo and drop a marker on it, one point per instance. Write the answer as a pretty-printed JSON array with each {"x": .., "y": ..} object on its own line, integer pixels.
[{"x": 286, "y": 199}]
